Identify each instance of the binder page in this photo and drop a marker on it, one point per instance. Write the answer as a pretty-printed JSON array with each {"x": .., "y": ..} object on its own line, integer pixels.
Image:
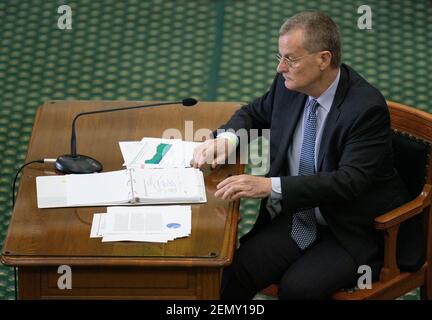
[
  {"x": 98, "y": 188},
  {"x": 169, "y": 185},
  {"x": 51, "y": 191}
]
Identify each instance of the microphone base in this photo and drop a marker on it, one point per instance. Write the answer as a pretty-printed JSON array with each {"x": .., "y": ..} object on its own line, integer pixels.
[{"x": 77, "y": 164}]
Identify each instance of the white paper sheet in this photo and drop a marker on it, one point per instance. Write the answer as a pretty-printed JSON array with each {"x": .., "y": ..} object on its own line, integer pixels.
[
  {"x": 139, "y": 154},
  {"x": 150, "y": 224},
  {"x": 98, "y": 225}
]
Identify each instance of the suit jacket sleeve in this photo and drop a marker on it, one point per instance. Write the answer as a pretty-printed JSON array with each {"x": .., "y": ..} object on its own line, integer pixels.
[{"x": 361, "y": 157}]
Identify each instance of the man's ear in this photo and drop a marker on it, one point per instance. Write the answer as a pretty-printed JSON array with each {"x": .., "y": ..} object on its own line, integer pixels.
[{"x": 325, "y": 59}]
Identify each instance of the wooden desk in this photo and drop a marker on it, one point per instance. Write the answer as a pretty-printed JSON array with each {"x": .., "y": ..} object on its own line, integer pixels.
[{"x": 40, "y": 240}]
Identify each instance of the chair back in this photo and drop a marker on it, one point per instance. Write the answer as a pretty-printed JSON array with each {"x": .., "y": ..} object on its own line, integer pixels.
[
  {"x": 412, "y": 140},
  {"x": 411, "y": 158},
  {"x": 412, "y": 149}
]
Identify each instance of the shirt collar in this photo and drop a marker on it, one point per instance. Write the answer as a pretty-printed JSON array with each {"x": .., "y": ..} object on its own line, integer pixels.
[{"x": 326, "y": 98}]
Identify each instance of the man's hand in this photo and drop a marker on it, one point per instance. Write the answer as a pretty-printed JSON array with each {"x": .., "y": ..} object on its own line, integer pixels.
[
  {"x": 212, "y": 151},
  {"x": 243, "y": 186}
]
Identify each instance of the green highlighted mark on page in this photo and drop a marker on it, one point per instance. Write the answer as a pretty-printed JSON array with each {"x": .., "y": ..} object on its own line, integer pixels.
[{"x": 161, "y": 150}]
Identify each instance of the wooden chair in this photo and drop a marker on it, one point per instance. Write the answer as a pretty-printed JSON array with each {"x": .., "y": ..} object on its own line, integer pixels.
[{"x": 412, "y": 141}]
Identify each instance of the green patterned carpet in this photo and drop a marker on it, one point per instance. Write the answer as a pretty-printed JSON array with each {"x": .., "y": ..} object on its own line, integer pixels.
[{"x": 165, "y": 50}]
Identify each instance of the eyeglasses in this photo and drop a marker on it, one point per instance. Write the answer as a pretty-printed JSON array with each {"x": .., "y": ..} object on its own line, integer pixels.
[{"x": 291, "y": 62}]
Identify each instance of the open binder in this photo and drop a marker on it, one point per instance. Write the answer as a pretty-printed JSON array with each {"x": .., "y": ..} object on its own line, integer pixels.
[{"x": 131, "y": 186}]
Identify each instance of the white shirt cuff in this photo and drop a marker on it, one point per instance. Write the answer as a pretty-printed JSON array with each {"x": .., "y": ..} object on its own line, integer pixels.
[
  {"x": 232, "y": 138},
  {"x": 276, "y": 192}
]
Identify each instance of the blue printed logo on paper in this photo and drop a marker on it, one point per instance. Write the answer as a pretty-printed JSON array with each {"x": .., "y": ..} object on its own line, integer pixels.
[{"x": 173, "y": 225}]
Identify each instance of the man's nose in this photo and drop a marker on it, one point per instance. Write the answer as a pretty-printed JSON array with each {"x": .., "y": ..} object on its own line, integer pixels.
[{"x": 281, "y": 67}]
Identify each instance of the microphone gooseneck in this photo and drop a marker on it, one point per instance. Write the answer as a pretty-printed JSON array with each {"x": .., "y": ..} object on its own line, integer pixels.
[{"x": 75, "y": 163}]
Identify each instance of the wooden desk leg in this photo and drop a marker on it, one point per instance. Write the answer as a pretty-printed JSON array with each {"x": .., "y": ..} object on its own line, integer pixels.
[{"x": 121, "y": 283}]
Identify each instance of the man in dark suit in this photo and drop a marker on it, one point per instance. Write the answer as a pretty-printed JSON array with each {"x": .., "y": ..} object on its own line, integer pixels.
[{"x": 331, "y": 171}]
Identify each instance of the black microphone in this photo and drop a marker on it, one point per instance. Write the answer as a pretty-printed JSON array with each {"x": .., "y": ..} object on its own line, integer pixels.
[{"x": 76, "y": 163}]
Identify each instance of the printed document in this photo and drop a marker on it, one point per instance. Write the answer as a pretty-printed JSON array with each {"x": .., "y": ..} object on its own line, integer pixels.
[{"x": 150, "y": 223}]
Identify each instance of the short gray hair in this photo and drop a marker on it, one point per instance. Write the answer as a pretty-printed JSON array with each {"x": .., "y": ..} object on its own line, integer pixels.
[{"x": 320, "y": 33}]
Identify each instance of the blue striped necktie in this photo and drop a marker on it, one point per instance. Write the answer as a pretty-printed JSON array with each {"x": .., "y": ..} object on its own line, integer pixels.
[{"x": 304, "y": 229}]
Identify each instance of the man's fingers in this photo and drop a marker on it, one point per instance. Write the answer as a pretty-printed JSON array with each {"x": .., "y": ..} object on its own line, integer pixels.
[
  {"x": 212, "y": 152},
  {"x": 235, "y": 187},
  {"x": 238, "y": 195},
  {"x": 226, "y": 181},
  {"x": 228, "y": 191},
  {"x": 201, "y": 153},
  {"x": 221, "y": 193},
  {"x": 201, "y": 161},
  {"x": 220, "y": 159},
  {"x": 200, "y": 156}
]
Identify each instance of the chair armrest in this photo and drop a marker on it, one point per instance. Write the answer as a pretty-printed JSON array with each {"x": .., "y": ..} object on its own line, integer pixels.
[
  {"x": 405, "y": 211},
  {"x": 389, "y": 223}
]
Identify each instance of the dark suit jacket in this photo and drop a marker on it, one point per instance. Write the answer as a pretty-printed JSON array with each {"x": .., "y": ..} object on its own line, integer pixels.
[{"x": 355, "y": 180}]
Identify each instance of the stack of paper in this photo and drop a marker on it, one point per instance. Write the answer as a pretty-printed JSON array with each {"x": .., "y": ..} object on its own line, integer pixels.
[
  {"x": 149, "y": 224},
  {"x": 157, "y": 153}
]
